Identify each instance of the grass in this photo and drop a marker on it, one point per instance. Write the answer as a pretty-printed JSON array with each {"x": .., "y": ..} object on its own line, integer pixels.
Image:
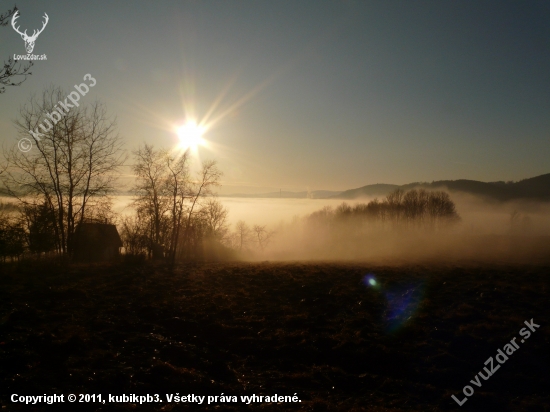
[{"x": 315, "y": 329}]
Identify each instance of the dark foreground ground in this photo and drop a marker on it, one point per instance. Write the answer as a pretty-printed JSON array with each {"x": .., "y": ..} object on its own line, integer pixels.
[{"x": 407, "y": 343}]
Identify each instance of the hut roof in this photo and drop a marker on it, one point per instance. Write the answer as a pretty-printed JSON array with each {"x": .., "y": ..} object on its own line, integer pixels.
[{"x": 97, "y": 234}]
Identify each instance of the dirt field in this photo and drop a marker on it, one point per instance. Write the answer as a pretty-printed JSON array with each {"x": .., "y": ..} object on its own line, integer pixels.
[{"x": 405, "y": 341}]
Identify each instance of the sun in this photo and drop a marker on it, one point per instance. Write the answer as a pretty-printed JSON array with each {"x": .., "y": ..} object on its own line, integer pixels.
[{"x": 190, "y": 135}]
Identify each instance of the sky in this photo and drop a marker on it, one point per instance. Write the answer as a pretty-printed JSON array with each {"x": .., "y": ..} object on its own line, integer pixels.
[{"x": 308, "y": 95}]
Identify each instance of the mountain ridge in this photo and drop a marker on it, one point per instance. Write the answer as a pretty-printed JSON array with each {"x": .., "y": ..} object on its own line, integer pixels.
[{"x": 536, "y": 188}]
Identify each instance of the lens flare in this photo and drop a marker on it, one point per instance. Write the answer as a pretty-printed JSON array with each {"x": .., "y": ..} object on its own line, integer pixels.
[
  {"x": 401, "y": 301},
  {"x": 370, "y": 280}
]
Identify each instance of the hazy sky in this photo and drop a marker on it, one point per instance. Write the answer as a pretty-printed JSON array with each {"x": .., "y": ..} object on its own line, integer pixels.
[{"x": 310, "y": 94}]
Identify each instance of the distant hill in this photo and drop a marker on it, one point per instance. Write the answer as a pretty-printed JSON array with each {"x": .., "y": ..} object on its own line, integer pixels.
[
  {"x": 379, "y": 189},
  {"x": 537, "y": 188},
  {"x": 315, "y": 194}
]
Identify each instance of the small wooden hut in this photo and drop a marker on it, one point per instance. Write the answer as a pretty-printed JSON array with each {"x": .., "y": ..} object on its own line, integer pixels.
[{"x": 96, "y": 242}]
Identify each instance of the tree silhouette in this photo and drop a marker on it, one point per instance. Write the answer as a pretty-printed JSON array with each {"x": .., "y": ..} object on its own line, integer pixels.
[
  {"x": 40, "y": 227},
  {"x": 207, "y": 179},
  {"x": 262, "y": 236},
  {"x": 152, "y": 202},
  {"x": 73, "y": 166},
  {"x": 168, "y": 201},
  {"x": 243, "y": 234},
  {"x": 12, "y": 237}
]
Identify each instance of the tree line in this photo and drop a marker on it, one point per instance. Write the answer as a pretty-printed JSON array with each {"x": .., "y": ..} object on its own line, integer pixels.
[{"x": 417, "y": 208}]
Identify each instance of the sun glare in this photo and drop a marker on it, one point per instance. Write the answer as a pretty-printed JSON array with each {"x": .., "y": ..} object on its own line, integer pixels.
[{"x": 190, "y": 135}]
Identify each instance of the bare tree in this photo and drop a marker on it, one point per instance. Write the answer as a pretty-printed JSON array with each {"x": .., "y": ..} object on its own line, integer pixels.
[
  {"x": 39, "y": 223},
  {"x": 151, "y": 174},
  {"x": 12, "y": 69},
  {"x": 134, "y": 237},
  {"x": 5, "y": 18},
  {"x": 177, "y": 187},
  {"x": 12, "y": 237},
  {"x": 207, "y": 179},
  {"x": 394, "y": 202},
  {"x": 441, "y": 209},
  {"x": 515, "y": 219},
  {"x": 73, "y": 165},
  {"x": 262, "y": 235},
  {"x": 242, "y": 234},
  {"x": 215, "y": 216},
  {"x": 414, "y": 206},
  {"x": 170, "y": 200}
]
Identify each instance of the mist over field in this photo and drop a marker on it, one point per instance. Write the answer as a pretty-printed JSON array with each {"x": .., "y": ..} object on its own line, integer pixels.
[
  {"x": 488, "y": 230},
  {"x": 479, "y": 215},
  {"x": 265, "y": 211}
]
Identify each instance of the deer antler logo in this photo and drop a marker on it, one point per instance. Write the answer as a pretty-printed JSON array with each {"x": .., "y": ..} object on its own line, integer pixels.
[{"x": 29, "y": 40}]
